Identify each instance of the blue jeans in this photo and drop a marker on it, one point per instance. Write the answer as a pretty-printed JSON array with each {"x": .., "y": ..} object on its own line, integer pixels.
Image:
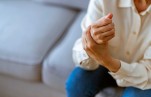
[
  {"x": 134, "y": 92},
  {"x": 83, "y": 83}
]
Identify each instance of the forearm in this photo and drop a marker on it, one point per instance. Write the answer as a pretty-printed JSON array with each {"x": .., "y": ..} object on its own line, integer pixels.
[
  {"x": 81, "y": 58},
  {"x": 110, "y": 63}
]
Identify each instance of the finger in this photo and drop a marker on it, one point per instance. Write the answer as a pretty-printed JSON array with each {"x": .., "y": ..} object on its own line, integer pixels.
[
  {"x": 101, "y": 22},
  {"x": 104, "y": 35},
  {"x": 96, "y": 31},
  {"x": 84, "y": 44},
  {"x": 87, "y": 30},
  {"x": 109, "y": 16},
  {"x": 108, "y": 33},
  {"x": 105, "y": 39},
  {"x": 88, "y": 37},
  {"x": 84, "y": 40},
  {"x": 105, "y": 20},
  {"x": 100, "y": 42},
  {"x": 109, "y": 38}
]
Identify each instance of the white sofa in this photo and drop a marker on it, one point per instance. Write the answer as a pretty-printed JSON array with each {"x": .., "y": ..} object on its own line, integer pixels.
[{"x": 36, "y": 40}]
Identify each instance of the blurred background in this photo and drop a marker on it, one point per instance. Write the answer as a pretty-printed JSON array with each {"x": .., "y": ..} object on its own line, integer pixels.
[{"x": 36, "y": 40}]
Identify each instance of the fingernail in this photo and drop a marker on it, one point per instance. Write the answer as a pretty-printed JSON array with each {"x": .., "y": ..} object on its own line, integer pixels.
[{"x": 109, "y": 16}]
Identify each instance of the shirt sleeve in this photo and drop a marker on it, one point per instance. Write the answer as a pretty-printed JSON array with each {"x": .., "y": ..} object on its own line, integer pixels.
[
  {"x": 80, "y": 57},
  {"x": 136, "y": 74}
]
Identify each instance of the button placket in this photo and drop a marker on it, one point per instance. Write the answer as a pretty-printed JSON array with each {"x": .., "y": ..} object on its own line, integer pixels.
[
  {"x": 135, "y": 33},
  {"x": 128, "y": 53},
  {"x": 136, "y": 24}
]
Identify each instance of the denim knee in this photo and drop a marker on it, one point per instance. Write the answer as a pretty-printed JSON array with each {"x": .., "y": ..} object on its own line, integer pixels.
[
  {"x": 81, "y": 83},
  {"x": 130, "y": 92},
  {"x": 75, "y": 84},
  {"x": 134, "y": 92}
]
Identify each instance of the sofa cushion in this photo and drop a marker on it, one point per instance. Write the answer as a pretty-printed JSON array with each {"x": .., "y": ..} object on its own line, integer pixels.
[
  {"x": 80, "y": 4},
  {"x": 59, "y": 63},
  {"x": 20, "y": 70},
  {"x": 28, "y": 30}
]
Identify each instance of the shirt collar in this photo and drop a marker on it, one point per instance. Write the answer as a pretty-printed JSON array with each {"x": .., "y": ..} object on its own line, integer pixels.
[
  {"x": 125, "y": 3},
  {"x": 130, "y": 3},
  {"x": 148, "y": 10}
]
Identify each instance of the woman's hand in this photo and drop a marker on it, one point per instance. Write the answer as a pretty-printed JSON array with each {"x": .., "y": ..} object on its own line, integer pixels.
[
  {"x": 99, "y": 52},
  {"x": 103, "y": 30},
  {"x": 94, "y": 50}
]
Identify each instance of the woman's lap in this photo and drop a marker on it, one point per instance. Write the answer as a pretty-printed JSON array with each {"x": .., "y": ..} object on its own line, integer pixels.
[
  {"x": 134, "y": 92},
  {"x": 83, "y": 83}
]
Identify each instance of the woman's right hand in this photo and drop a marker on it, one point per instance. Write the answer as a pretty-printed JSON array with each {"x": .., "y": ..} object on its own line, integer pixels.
[{"x": 103, "y": 30}]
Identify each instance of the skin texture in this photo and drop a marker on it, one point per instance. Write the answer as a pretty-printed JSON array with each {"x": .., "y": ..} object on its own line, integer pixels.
[
  {"x": 142, "y": 5},
  {"x": 95, "y": 38}
]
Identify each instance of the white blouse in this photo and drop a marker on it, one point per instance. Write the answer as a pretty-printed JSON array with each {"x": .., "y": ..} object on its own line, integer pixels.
[{"x": 131, "y": 44}]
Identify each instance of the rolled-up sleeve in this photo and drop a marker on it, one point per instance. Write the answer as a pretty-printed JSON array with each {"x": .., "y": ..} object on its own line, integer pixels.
[
  {"x": 136, "y": 74},
  {"x": 80, "y": 57}
]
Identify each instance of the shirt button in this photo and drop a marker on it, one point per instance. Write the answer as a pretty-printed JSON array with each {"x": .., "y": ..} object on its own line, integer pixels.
[
  {"x": 128, "y": 53},
  {"x": 134, "y": 33}
]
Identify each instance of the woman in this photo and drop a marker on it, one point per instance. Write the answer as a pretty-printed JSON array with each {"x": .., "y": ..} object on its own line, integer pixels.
[{"x": 117, "y": 39}]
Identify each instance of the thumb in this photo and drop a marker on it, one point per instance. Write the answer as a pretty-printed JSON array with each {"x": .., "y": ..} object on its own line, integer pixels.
[{"x": 109, "y": 16}]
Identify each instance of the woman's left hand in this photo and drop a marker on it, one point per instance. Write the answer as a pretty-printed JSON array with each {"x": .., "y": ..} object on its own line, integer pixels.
[{"x": 96, "y": 51}]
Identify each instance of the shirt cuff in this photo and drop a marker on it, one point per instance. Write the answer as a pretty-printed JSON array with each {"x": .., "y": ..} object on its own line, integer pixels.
[
  {"x": 81, "y": 58},
  {"x": 124, "y": 70},
  {"x": 89, "y": 64}
]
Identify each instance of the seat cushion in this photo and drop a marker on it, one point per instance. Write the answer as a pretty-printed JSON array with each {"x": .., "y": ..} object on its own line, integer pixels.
[
  {"x": 20, "y": 70},
  {"x": 59, "y": 63},
  {"x": 79, "y": 4},
  {"x": 28, "y": 31}
]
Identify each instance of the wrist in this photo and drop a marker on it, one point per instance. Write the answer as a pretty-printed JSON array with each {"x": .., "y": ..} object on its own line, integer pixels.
[
  {"x": 104, "y": 59},
  {"x": 110, "y": 63}
]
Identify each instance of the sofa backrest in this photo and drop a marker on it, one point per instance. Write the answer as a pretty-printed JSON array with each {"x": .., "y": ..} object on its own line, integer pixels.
[{"x": 79, "y": 4}]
